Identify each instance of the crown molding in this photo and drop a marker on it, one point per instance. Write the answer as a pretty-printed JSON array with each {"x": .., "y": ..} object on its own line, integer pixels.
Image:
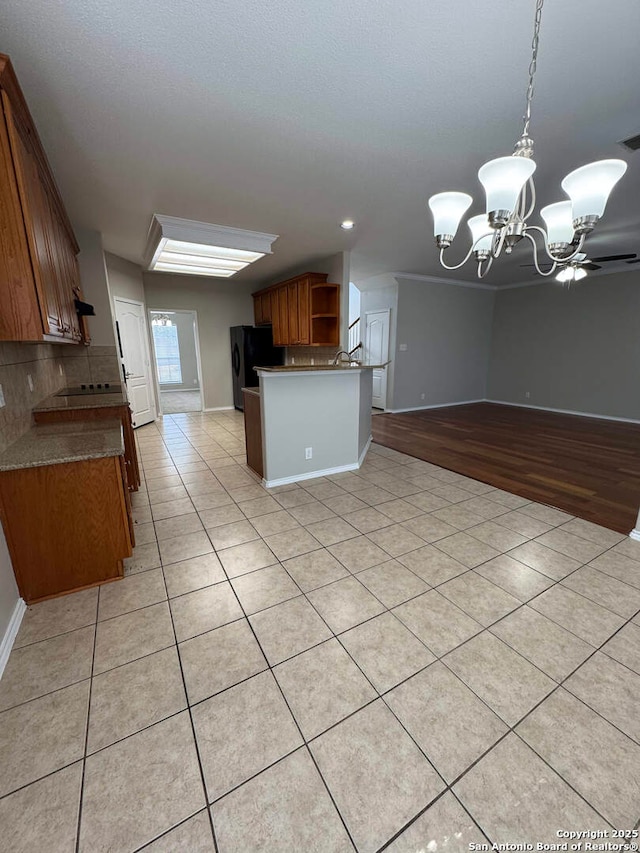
[{"x": 432, "y": 279}]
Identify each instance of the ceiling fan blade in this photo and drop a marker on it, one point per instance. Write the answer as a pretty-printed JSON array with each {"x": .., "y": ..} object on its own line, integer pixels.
[
  {"x": 637, "y": 261},
  {"x": 590, "y": 266},
  {"x": 604, "y": 258}
]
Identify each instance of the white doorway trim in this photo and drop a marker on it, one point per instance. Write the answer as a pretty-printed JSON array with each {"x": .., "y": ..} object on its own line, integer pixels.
[
  {"x": 380, "y": 356},
  {"x": 122, "y": 302},
  {"x": 196, "y": 335}
]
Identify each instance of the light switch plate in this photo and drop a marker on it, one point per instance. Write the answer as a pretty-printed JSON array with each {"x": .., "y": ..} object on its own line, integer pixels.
[
  {"x": 2, "y": 402},
  {"x": 403, "y": 347},
  {"x": 30, "y": 381}
]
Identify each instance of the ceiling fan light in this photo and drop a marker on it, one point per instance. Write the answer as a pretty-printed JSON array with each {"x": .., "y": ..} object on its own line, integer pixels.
[
  {"x": 448, "y": 209},
  {"x": 481, "y": 233},
  {"x": 589, "y": 187},
  {"x": 559, "y": 221},
  {"x": 503, "y": 180}
]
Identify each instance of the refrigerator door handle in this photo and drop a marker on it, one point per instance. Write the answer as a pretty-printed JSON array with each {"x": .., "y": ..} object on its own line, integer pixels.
[{"x": 235, "y": 358}]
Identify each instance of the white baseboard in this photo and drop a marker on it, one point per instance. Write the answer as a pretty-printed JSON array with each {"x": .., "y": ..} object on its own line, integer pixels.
[
  {"x": 311, "y": 475},
  {"x": 220, "y": 409},
  {"x": 365, "y": 450},
  {"x": 435, "y": 406},
  {"x": 563, "y": 411},
  {"x": 635, "y": 534},
  {"x": 10, "y": 634}
]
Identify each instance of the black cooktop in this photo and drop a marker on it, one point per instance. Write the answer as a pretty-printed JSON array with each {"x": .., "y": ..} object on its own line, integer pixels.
[{"x": 91, "y": 388}]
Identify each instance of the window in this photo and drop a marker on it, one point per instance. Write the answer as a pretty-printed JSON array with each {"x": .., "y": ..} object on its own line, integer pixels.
[{"x": 165, "y": 339}]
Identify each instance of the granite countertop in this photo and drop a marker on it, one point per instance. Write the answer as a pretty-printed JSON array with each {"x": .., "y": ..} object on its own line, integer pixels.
[
  {"x": 285, "y": 368},
  {"x": 82, "y": 401},
  {"x": 55, "y": 444}
]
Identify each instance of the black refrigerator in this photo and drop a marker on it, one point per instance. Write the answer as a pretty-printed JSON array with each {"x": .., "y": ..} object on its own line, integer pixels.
[{"x": 251, "y": 346}]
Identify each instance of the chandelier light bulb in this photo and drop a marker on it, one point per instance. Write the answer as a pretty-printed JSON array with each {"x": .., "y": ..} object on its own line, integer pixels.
[
  {"x": 503, "y": 180},
  {"x": 589, "y": 187},
  {"x": 448, "y": 209},
  {"x": 559, "y": 221},
  {"x": 481, "y": 233},
  {"x": 571, "y": 274}
]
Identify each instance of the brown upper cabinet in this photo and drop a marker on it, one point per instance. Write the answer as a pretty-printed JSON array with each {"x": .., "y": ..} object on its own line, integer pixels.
[
  {"x": 39, "y": 276},
  {"x": 304, "y": 311}
]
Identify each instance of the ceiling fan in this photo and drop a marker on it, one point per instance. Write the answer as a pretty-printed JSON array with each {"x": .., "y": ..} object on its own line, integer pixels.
[{"x": 581, "y": 261}]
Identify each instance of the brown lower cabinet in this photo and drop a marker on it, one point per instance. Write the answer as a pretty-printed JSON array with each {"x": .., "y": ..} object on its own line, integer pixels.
[
  {"x": 54, "y": 416},
  {"x": 253, "y": 430},
  {"x": 67, "y": 526}
]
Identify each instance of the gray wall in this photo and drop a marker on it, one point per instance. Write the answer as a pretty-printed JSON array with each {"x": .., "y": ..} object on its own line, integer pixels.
[
  {"x": 576, "y": 349},
  {"x": 219, "y": 304},
  {"x": 188, "y": 359},
  {"x": 124, "y": 278},
  {"x": 447, "y": 330}
]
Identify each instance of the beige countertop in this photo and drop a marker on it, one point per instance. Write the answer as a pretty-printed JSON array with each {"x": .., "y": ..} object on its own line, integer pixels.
[
  {"x": 288, "y": 368},
  {"x": 82, "y": 401},
  {"x": 55, "y": 444}
]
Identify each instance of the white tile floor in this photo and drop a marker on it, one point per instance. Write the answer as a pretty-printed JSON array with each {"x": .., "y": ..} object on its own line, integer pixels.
[{"x": 399, "y": 658}]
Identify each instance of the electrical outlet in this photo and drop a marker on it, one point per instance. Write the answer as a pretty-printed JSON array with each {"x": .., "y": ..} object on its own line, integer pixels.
[
  {"x": 61, "y": 369},
  {"x": 422, "y": 396},
  {"x": 527, "y": 394},
  {"x": 30, "y": 381},
  {"x": 2, "y": 402},
  {"x": 308, "y": 453}
]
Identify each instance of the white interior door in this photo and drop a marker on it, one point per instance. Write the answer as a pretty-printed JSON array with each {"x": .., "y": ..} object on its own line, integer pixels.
[
  {"x": 136, "y": 364},
  {"x": 376, "y": 351}
]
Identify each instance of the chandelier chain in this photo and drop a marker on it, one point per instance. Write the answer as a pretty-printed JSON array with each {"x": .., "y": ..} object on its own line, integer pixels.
[{"x": 532, "y": 66}]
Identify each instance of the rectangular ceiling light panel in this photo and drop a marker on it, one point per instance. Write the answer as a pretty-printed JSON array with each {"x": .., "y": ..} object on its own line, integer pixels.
[{"x": 186, "y": 247}]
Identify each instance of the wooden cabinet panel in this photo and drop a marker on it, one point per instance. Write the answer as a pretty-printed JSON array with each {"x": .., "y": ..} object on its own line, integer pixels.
[
  {"x": 67, "y": 526},
  {"x": 54, "y": 416},
  {"x": 304, "y": 311},
  {"x": 44, "y": 248},
  {"x": 292, "y": 313},
  {"x": 304, "y": 322}
]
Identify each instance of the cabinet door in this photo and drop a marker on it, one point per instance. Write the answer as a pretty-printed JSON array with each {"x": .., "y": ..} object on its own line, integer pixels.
[
  {"x": 257, "y": 310},
  {"x": 304, "y": 315},
  {"x": 283, "y": 315},
  {"x": 292, "y": 312},
  {"x": 37, "y": 217},
  {"x": 278, "y": 332},
  {"x": 266, "y": 308}
]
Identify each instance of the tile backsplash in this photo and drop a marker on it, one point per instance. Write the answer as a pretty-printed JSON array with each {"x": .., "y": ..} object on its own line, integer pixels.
[
  {"x": 91, "y": 364},
  {"x": 51, "y": 367},
  {"x": 44, "y": 363},
  {"x": 310, "y": 355}
]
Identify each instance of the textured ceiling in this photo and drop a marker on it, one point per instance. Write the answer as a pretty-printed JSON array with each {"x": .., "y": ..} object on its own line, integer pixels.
[{"x": 288, "y": 117}]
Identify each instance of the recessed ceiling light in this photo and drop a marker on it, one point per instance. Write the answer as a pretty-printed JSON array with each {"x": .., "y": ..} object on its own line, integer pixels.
[
  {"x": 348, "y": 224},
  {"x": 186, "y": 247}
]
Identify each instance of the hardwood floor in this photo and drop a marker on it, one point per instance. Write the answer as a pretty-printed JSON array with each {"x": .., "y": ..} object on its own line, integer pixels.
[{"x": 585, "y": 466}]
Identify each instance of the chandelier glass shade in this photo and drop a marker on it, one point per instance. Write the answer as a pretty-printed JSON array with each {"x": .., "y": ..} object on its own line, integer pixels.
[{"x": 511, "y": 199}]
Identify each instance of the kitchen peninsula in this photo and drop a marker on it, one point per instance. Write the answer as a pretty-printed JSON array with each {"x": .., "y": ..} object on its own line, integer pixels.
[{"x": 314, "y": 420}]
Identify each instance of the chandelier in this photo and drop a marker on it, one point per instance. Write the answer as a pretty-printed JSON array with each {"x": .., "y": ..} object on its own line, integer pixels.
[{"x": 511, "y": 199}]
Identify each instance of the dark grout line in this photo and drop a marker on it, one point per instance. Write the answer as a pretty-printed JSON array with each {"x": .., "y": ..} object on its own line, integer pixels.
[{"x": 87, "y": 726}]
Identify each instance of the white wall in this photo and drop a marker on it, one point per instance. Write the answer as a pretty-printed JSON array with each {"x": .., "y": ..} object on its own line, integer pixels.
[
  {"x": 576, "y": 349},
  {"x": 219, "y": 304},
  {"x": 377, "y": 294},
  {"x": 9, "y": 597},
  {"x": 93, "y": 277},
  {"x": 124, "y": 278}
]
